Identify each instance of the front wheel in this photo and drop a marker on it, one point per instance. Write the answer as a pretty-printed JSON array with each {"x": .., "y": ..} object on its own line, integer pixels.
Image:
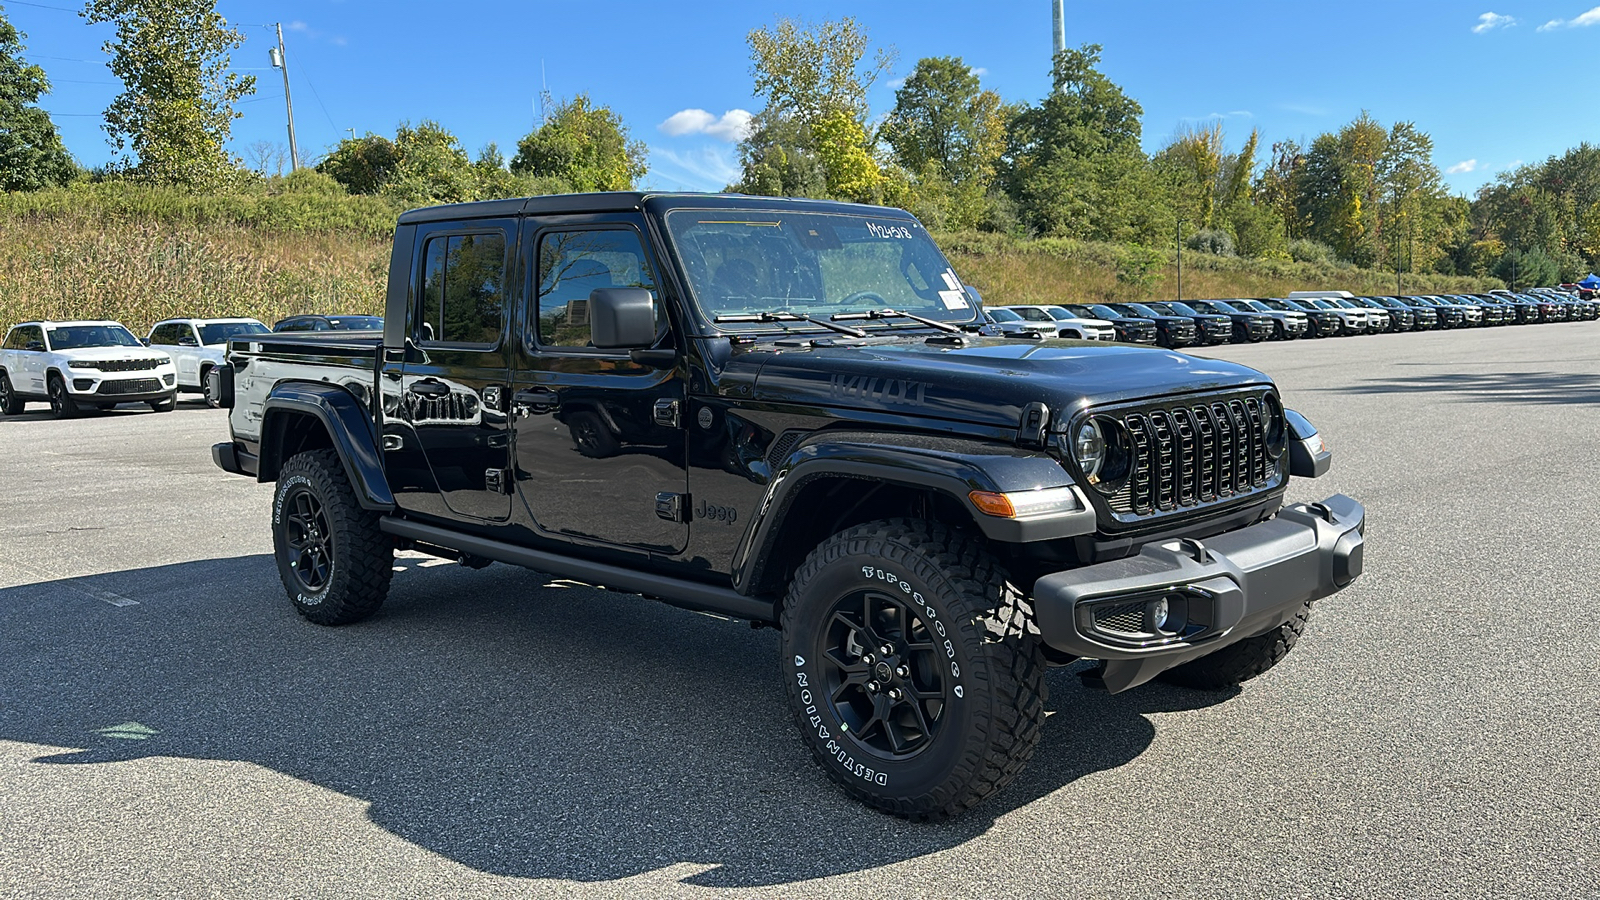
[
  {"x": 168, "y": 404},
  {"x": 62, "y": 406},
  {"x": 913, "y": 667},
  {"x": 332, "y": 559}
]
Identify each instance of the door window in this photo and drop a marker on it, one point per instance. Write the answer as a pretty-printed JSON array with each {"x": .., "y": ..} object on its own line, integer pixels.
[
  {"x": 574, "y": 263},
  {"x": 462, "y": 300},
  {"x": 167, "y": 335}
]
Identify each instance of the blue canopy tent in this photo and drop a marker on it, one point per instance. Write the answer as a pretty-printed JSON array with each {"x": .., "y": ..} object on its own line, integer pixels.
[{"x": 1591, "y": 283}]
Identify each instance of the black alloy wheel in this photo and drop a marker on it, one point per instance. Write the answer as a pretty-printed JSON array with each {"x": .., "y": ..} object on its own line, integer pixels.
[
  {"x": 881, "y": 674},
  {"x": 308, "y": 539},
  {"x": 62, "y": 406},
  {"x": 10, "y": 403}
]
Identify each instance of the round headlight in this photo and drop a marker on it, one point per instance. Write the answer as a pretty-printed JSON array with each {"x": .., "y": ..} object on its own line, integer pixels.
[
  {"x": 1089, "y": 448},
  {"x": 1274, "y": 427}
]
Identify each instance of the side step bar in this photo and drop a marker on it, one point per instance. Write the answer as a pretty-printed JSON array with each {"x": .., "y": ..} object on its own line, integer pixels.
[{"x": 693, "y": 595}]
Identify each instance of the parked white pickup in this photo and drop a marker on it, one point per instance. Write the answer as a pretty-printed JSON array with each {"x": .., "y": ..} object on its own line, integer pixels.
[{"x": 71, "y": 365}]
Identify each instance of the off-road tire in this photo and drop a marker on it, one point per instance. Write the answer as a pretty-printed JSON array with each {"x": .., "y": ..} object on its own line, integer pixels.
[
  {"x": 360, "y": 557},
  {"x": 168, "y": 404},
  {"x": 10, "y": 403},
  {"x": 986, "y": 657},
  {"x": 1238, "y": 663},
  {"x": 62, "y": 406},
  {"x": 592, "y": 436}
]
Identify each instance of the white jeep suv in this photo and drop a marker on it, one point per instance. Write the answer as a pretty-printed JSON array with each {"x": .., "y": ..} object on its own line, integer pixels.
[
  {"x": 197, "y": 345},
  {"x": 1067, "y": 325},
  {"x": 71, "y": 365}
]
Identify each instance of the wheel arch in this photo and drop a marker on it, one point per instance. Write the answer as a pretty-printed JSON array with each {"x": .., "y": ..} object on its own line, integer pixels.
[
  {"x": 300, "y": 416},
  {"x": 832, "y": 481}
]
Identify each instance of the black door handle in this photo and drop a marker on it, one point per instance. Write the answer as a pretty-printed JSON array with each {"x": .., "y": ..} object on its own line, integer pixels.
[
  {"x": 534, "y": 400},
  {"x": 430, "y": 388}
]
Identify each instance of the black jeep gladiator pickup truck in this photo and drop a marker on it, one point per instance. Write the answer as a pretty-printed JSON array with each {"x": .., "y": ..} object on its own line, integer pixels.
[{"x": 792, "y": 413}]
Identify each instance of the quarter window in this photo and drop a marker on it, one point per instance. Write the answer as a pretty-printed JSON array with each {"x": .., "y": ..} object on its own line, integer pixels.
[
  {"x": 462, "y": 300},
  {"x": 574, "y": 263}
]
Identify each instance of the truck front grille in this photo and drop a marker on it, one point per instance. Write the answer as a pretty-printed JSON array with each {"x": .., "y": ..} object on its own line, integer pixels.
[
  {"x": 119, "y": 365},
  {"x": 1188, "y": 455},
  {"x": 130, "y": 386}
]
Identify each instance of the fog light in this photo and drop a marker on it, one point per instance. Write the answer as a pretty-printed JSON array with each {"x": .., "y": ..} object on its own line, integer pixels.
[{"x": 1159, "y": 611}]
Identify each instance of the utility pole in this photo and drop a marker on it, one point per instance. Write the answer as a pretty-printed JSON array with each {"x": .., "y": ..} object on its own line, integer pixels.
[
  {"x": 1059, "y": 32},
  {"x": 279, "y": 61}
]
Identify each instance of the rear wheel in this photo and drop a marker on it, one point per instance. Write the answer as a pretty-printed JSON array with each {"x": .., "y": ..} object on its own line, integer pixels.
[
  {"x": 10, "y": 403},
  {"x": 332, "y": 559},
  {"x": 62, "y": 406},
  {"x": 205, "y": 375},
  {"x": 913, "y": 667}
]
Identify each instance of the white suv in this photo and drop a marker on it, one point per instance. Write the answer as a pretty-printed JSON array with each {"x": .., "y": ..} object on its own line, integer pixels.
[
  {"x": 71, "y": 365},
  {"x": 1067, "y": 325},
  {"x": 197, "y": 345}
]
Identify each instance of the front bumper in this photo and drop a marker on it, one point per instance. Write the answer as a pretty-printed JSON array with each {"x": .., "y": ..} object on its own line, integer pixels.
[{"x": 1230, "y": 587}]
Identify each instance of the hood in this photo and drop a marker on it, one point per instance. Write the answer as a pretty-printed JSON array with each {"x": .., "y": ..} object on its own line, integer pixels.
[
  {"x": 102, "y": 354},
  {"x": 987, "y": 382}
]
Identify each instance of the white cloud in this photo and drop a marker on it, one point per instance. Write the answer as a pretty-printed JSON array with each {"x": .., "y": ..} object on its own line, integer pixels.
[
  {"x": 734, "y": 125},
  {"x": 980, "y": 71},
  {"x": 1463, "y": 167},
  {"x": 1582, "y": 20},
  {"x": 1490, "y": 21}
]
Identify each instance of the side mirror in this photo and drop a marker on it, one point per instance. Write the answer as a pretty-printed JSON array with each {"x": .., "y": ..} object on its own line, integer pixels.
[
  {"x": 188, "y": 342},
  {"x": 34, "y": 345},
  {"x": 622, "y": 318},
  {"x": 144, "y": 341}
]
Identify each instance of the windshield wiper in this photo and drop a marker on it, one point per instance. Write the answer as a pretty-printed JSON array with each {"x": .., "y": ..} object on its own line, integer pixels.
[
  {"x": 786, "y": 316},
  {"x": 896, "y": 314}
]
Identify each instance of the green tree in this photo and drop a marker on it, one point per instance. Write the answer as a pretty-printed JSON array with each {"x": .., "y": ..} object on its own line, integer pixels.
[
  {"x": 430, "y": 167},
  {"x": 1413, "y": 201},
  {"x": 175, "y": 112},
  {"x": 1074, "y": 165},
  {"x": 1340, "y": 191},
  {"x": 808, "y": 71},
  {"x": 31, "y": 153},
  {"x": 1531, "y": 268},
  {"x": 585, "y": 145},
  {"x": 364, "y": 165},
  {"x": 948, "y": 133},
  {"x": 814, "y": 81}
]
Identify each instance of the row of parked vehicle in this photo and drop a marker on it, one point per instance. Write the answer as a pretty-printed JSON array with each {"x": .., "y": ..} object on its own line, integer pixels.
[
  {"x": 1313, "y": 314},
  {"x": 97, "y": 365}
]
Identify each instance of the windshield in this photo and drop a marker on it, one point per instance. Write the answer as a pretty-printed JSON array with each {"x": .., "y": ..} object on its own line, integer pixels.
[
  {"x": 1140, "y": 309},
  {"x": 1180, "y": 309},
  {"x": 1101, "y": 311},
  {"x": 747, "y": 262},
  {"x": 1082, "y": 312},
  {"x": 1061, "y": 315},
  {"x": 999, "y": 314},
  {"x": 220, "y": 332},
  {"x": 1255, "y": 306},
  {"x": 356, "y": 323},
  {"x": 74, "y": 337}
]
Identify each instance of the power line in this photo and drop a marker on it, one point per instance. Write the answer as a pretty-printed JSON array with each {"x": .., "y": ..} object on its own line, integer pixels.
[{"x": 42, "y": 6}]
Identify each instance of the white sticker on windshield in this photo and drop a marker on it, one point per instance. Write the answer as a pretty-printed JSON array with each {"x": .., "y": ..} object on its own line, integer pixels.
[
  {"x": 889, "y": 231},
  {"x": 953, "y": 299},
  {"x": 951, "y": 281}
]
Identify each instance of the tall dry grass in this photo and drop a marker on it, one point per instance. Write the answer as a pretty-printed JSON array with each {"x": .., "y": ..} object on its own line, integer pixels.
[
  {"x": 78, "y": 265},
  {"x": 139, "y": 254}
]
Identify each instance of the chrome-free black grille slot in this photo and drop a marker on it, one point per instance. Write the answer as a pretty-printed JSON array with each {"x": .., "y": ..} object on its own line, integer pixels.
[
  {"x": 130, "y": 386},
  {"x": 124, "y": 365},
  {"x": 1185, "y": 456}
]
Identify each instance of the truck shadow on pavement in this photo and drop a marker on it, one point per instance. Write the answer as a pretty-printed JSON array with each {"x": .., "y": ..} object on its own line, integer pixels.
[
  {"x": 519, "y": 726},
  {"x": 1536, "y": 388}
]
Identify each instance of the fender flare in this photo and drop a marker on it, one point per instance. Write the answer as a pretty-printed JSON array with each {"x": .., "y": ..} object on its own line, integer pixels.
[
  {"x": 952, "y": 466},
  {"x": 349, "y": 426}
]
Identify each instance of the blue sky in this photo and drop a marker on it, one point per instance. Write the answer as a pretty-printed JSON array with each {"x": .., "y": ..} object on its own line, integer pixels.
[{"x": 1495, "y": 85}]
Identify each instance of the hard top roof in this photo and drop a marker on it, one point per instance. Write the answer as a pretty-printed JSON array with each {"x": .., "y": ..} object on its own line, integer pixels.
[{"x": 627, "y": 201}]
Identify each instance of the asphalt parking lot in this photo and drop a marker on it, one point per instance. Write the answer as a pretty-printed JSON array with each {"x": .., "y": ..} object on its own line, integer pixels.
[{"x": 169, "y": 726}]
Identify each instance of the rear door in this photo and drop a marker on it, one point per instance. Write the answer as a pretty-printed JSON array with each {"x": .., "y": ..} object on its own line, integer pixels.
[{"x": 454, "y": 372}]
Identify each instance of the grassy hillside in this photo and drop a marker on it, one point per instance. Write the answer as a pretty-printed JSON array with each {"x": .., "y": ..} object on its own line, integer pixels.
[{"x": 138, "y": 255}]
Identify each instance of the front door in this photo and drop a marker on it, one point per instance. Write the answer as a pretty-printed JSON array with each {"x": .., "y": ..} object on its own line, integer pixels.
[
  {"x": 453, "y": 378},
  {"x": 600, "y": 450}
]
